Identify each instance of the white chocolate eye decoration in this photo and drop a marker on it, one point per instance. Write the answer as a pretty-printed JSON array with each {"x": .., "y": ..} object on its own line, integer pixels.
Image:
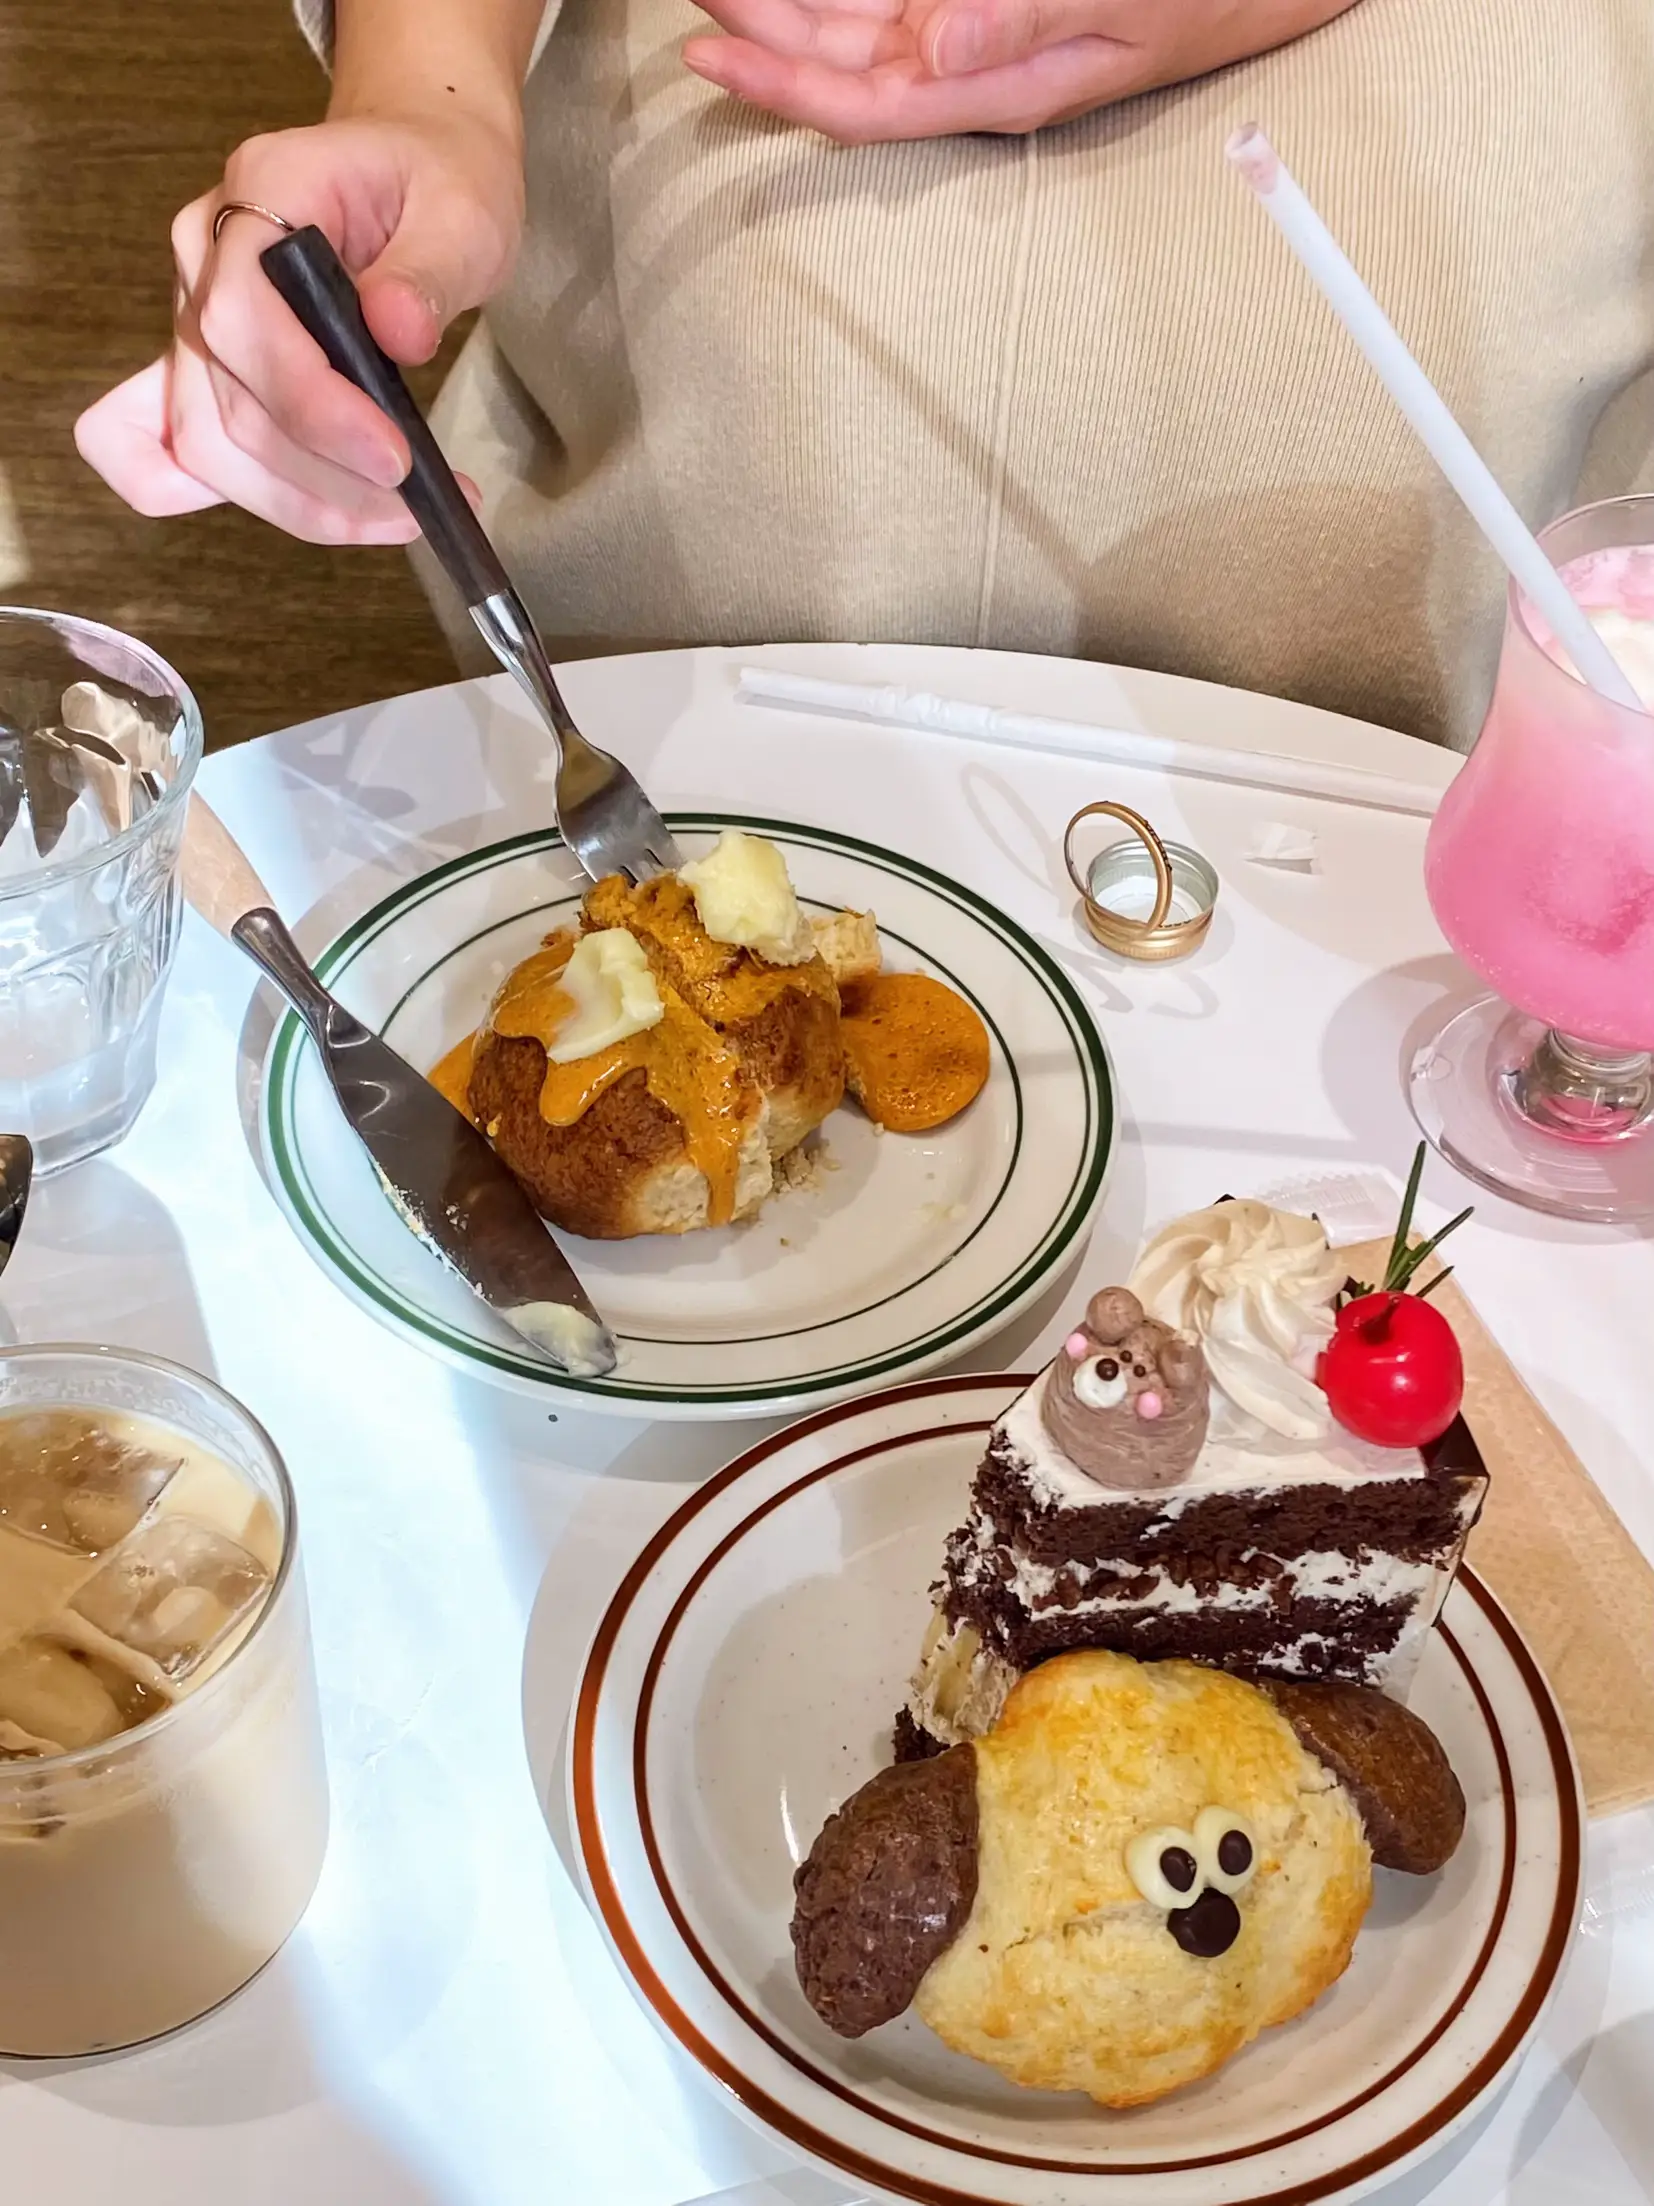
[
  {"x": 1227, "y": 1848},
  {"x": 1163, "y": 1865},
  {"x": 1101, "y": 1383}
]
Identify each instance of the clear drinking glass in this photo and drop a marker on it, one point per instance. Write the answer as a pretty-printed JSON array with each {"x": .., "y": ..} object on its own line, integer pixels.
[
  {"x": 87, "y": 932},
  {"x": 1540, "y": 871},
  {"x": 144, "y": 1879}
]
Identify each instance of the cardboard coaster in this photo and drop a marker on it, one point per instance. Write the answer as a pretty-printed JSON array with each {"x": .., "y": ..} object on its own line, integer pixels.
[{"x": 1579, "y": 1587}]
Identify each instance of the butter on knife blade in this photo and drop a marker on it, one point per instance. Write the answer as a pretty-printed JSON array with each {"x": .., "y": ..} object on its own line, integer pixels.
[
  {"x": 574, "y": 1342},
  {"x": 454, "y": 1194},
  {"x": 584, "y": 1349}
]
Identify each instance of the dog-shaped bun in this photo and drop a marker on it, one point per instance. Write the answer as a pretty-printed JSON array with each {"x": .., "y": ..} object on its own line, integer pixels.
[{"x": 1140, "y": 1867}]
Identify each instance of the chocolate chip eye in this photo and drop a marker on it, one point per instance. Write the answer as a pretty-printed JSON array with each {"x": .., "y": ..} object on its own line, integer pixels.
[
  {"x": 1141, "y": 1370},
  {"x": 1098, "y": 1383},
  {"x": 1178, "y": 1869},
  {"x": 1226, "y": 1848},
  {"x": 1164, "y": 1865}
]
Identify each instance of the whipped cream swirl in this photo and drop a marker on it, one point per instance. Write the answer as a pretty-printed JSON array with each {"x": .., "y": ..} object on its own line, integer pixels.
[{"x": 1255, "y": 1287}]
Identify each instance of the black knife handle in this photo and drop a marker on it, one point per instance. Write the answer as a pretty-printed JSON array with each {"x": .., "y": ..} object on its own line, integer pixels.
[{"x": 315, "y": 283}]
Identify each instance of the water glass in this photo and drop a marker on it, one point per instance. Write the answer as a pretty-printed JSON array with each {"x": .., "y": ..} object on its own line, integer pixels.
[{"x": 88, "y": 929}]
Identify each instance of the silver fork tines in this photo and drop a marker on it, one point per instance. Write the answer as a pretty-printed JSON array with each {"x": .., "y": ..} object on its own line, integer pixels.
[{"x": 606, "y": 819}]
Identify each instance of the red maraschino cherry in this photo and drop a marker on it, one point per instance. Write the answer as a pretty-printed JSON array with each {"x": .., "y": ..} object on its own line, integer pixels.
[{"x": 1392, "y": 1372}]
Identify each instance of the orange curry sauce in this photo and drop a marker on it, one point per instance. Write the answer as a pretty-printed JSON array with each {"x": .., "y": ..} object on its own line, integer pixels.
[
  {"x": 689, "y": 1070},
  {"x": 916, "y": 1052}
]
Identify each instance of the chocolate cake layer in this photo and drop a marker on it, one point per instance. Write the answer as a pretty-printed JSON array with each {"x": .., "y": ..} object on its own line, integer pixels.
[
  {"x": 910, "y": 1742},
  {"x": 1313, "y": 1639},
  {"x": 1413, "y": 1518},
  {"x": 1327, "y": 1562}
]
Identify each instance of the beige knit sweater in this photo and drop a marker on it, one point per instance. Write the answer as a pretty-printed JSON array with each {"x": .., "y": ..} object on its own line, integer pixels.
[{"x": 1068, "y": 393}]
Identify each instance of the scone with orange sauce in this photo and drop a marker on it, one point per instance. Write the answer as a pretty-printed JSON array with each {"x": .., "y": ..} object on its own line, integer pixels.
[
  {"x": 649, "y": 1069},
  {"x": 662, "y": 1101}
]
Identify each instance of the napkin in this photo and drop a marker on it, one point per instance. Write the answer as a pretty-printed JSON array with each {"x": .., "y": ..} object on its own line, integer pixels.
[{"x": 1577, "y": 1585}]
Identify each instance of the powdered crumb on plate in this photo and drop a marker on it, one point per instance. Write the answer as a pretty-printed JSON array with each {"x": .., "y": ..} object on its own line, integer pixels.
[{"x": 802, "y": 1167}]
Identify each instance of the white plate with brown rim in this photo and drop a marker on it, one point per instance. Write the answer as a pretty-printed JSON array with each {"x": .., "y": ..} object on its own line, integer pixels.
[
  {"x": 742, "y": 1685},
  {"x": 908, "y": 1250}
]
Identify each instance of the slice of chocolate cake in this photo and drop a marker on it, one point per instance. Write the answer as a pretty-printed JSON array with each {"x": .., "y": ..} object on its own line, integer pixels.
[{"x": 1133, "y": 1499}]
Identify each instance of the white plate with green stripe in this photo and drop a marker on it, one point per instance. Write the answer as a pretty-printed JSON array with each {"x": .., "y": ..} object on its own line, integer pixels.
[{"x": 904, "y": 1251}]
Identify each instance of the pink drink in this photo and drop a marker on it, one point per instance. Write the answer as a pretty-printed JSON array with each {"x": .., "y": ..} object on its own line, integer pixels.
[{"x": 1540, "y": 862}]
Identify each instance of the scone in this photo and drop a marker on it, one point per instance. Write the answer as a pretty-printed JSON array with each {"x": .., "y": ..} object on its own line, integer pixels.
[
  {"x": 676, "y": 1127},
  {"x": 1071, "y": 1973},
  {"x": 1135, "y": 1871},
  {"x": 654, "y": 1068}
]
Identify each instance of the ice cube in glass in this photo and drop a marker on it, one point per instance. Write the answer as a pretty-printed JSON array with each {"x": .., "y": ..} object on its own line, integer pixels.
[
  {"x": 69, "y": 1480},
  {"x": 172, "y": 1591}
]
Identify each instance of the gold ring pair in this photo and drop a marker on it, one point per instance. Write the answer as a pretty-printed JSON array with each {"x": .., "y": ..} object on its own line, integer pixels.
[{"x": 1173, "y": 865}]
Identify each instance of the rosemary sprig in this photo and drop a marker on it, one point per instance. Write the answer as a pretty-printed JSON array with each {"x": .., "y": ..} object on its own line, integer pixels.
[
  {"x": 1404, "y": 1261},
  {"x": 1401, "y": 1272}
]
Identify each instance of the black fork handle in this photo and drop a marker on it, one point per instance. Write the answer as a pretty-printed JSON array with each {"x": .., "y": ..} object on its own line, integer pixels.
[{"x": 316, "y": 284}]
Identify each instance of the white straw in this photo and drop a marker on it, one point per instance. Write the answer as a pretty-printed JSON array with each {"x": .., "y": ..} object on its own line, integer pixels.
[
  {"x": 892, "y": 706},
  {"x": 1323, "y": 258}
]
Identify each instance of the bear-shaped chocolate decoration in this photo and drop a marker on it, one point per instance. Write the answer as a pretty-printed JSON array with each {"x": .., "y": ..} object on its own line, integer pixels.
[
  {"x": 1127, "y": 1399},
  {"x": 1137, "y": 1869}
]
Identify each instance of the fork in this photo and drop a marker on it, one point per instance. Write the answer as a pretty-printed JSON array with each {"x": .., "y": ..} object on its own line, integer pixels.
[{"x": 605, "y": 818}]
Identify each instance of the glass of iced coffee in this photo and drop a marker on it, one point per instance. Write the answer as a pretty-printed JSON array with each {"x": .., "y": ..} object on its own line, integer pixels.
[{"x": 163, "y": 1801}]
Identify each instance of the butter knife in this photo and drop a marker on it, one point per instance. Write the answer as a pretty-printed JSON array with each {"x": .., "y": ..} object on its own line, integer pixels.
[
  {"x": 442, "y": 1177},
  {"x": 16, "y": 1172}
]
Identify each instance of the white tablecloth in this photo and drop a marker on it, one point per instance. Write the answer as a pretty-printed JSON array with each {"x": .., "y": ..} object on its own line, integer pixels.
[{"x": 446, "y": 2028}]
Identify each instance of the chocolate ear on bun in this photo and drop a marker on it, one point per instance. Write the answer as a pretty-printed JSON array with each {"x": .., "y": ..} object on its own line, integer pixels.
[
  {"x": 1138, "y": 1868},
  {"x": 887, "y": 1886},
  {"x": 1389, "y": 1761}
]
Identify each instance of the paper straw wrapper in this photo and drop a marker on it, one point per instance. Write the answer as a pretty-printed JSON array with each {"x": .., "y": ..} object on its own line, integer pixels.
[{"x": 890, "y": 705}]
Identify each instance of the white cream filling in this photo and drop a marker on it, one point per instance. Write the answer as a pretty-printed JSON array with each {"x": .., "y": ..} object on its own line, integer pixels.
[
  {"x": 1222, "y": 1467},
  {"x": 1321, "y": 1576},
  {"x": 1239, "y": 1472}
]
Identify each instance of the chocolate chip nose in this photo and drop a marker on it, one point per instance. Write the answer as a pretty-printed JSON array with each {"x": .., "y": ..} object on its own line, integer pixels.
[{"x": 1208, "y": 1927}]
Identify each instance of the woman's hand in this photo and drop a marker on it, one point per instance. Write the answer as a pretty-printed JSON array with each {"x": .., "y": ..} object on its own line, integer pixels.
[
  {"x": 860, "y": 70},
  {"x": 424, "y": 207}
]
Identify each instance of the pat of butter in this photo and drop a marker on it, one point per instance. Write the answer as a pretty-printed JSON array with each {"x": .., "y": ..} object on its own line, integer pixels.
[
  {"x": 744, "y": 897},
  {"x": 608, "y": 981}
]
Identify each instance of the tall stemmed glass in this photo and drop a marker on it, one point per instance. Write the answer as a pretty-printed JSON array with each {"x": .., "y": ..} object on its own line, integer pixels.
[{"x": 1540, "y": 871}]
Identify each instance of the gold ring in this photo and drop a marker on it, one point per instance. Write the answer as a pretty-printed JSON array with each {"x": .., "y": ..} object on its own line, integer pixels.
[
  {"x": 1108, "y": 926},
  {"x": 1184, "y": 881},
  {"x": 250, "y": 206}
]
